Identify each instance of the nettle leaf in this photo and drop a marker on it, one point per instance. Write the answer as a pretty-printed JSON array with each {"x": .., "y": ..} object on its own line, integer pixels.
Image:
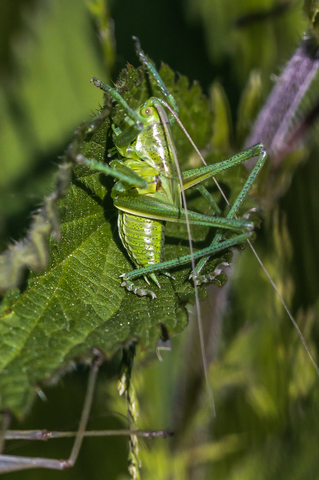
[{"x": 77, "y": 303}]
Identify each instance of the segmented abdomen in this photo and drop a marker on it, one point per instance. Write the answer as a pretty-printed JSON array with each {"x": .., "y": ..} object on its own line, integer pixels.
[{"x": 142, "y": 237}]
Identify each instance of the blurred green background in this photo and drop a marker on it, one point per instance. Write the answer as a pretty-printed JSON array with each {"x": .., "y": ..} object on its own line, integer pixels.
[{"x": 265, "y": 388}]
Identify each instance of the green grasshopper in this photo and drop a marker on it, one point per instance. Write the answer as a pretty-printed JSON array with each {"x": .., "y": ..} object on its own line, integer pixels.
[
  {"x": 148, "y": 194},
  {"x": 149, "y": 187}
]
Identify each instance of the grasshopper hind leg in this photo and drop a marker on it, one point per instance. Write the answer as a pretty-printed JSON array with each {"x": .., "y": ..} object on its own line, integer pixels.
[
  {"x": 141, "y": 291},
  {"x": 137, "y": 290}
]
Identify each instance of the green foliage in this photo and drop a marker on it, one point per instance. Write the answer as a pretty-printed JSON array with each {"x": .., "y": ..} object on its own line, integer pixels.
[
  {"x": 43, "y": 96},
  {"x": 265, "y": 390},
  {"x": 311, "y": 9},
  {"x": 247, "y": 34},
  {"x": 78, "y": 303}
]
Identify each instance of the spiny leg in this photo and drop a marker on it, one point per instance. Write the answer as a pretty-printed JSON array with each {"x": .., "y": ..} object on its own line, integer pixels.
[
  {"x": 212, "y": 249},
  {"x": 197, "y": 175},
  {"x": 199, "y": 279},
  {"x": 153, "y": 208},
  {"x": 209, "y": 199},
  {"x": 229, "y": 222}
]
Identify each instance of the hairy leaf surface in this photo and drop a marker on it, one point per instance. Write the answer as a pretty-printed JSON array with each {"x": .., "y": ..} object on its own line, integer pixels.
[{"x": 77, "y": 304}]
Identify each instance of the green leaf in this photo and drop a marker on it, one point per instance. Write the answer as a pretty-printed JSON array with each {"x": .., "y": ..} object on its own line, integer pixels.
[{"x": 78, "y": 303}]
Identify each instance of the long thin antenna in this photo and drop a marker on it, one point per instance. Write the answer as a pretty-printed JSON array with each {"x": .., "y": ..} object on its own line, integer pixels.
[
  {"x": 302, "y": 338},
  {"x": 199, "y": 318}
]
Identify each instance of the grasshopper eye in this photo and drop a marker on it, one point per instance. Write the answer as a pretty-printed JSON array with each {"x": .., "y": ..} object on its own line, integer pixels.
[{"x": 147, "y": 111}]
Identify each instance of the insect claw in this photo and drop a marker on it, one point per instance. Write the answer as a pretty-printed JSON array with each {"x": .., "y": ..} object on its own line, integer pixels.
[
  {"x": 200, "y": 279},
  {"x": 137, "y": 43},
  {"x": 250, "y": 211},
  {"x": 148, "y": 292},
  {"x": 140, "y": 291},
  {"x": 169, "y": 275},
  {"x": 96, "y": 81},
  {"x": 256, "y": 212}
]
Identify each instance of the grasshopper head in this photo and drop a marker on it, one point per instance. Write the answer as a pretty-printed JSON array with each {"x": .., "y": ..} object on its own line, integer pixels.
[{"x": 149, "y": 113}]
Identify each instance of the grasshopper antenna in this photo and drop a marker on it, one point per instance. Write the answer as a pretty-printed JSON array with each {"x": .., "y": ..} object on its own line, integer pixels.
[
  {"x": 199, "y": 318},
  {"x": 302, "y": 338}
]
